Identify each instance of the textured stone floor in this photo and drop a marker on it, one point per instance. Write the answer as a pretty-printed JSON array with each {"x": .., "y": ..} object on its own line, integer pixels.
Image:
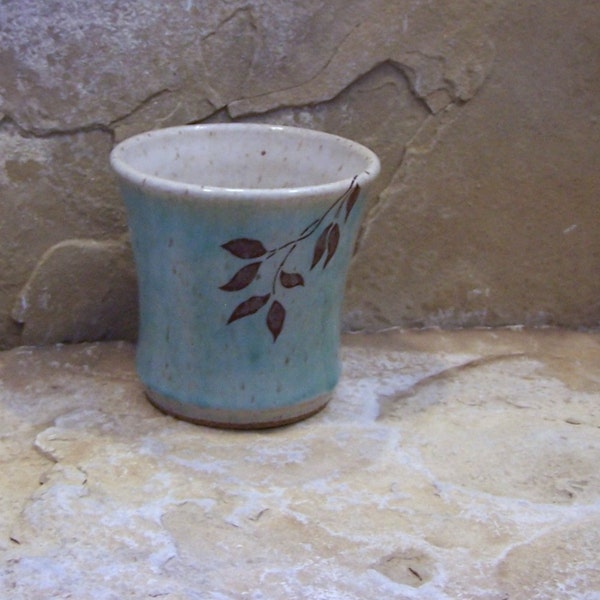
[{"x": 448, "y": 466}]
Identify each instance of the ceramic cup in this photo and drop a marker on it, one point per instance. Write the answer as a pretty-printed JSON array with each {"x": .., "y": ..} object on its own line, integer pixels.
[{"x": 242, "y": 236}]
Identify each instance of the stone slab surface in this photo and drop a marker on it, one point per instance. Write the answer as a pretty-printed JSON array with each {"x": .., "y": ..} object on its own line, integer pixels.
[{"x": 449, "y": 465}]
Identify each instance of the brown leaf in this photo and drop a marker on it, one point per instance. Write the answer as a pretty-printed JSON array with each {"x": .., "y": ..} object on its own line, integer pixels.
[
  {"x": 243, "y": 278},
  {"x": 320, "y": 246},
  {"x": 332, "y": 243},
  {"x": 351, "y": 201},
  {"x": 275, "y": 319},
  {"x": 245, "y": 248},
  {"x": 290, "y": 280},
  {"x": 248, "y": 307}
]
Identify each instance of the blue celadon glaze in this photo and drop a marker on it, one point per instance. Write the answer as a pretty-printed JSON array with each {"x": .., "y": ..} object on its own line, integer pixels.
[{"x": 187, "y": 350}]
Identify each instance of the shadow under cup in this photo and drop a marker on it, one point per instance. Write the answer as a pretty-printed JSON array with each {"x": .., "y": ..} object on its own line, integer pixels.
[{"x": 242, "y": 236}]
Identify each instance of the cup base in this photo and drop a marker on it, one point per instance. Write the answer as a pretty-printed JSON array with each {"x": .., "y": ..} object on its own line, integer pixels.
[{"x": 238, "y": 419}]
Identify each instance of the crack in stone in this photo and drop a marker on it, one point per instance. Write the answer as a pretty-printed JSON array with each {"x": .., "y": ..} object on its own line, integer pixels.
[
  {"x": 246, "y": 15},
  {"x": 42, "y": 448},
  {"x": 451, "y": 372},
  {"x": 423, "y": 140},
  {"x": 230, "y": 17},
  {"x": 108, "y": 128},
  {"x": 234, "y": 113},
  {"x": 140, "y": 106},
  {"x": 40, "y": 133},
  {"x": 236, "y": 108},
  {"x": 387, "y": 403}
]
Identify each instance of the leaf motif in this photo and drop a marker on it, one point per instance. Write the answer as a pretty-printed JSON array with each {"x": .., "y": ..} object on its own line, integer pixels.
[
  {"x": 243, "y": 278},
  {"x": 351, "y": 201},
  {"x": 248, "y": 307},
  {"x": 290, "y": 280},
  {"x": 245, "y": 248},
  {"x": 332, "y": 243},
  {"x": 320, "y": 246},
  {"x": 275, "y": 319}
]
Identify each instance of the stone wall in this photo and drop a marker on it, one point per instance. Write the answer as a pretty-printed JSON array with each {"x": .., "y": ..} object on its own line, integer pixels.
[{"x": 485, "y": 114}]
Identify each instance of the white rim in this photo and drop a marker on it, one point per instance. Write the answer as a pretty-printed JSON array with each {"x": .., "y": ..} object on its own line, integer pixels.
[{"x": 169, "y": 187}]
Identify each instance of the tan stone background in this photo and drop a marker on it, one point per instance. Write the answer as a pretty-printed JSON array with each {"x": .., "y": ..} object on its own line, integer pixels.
[{"x": 485, "y": 114}]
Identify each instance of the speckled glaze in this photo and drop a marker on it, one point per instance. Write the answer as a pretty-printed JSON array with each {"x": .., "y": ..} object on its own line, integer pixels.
[{"x": 242, "y": 236}]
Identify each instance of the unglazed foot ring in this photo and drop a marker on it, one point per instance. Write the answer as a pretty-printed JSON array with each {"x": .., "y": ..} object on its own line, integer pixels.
[{"x": 238, "y": 419}]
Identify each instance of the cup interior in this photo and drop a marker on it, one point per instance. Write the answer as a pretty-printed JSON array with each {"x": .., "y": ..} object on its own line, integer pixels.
[{"x": 242, "y": 157}]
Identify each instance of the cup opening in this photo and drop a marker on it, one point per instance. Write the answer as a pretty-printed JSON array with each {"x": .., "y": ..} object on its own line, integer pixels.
[{"x": 239, "y": 159}]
